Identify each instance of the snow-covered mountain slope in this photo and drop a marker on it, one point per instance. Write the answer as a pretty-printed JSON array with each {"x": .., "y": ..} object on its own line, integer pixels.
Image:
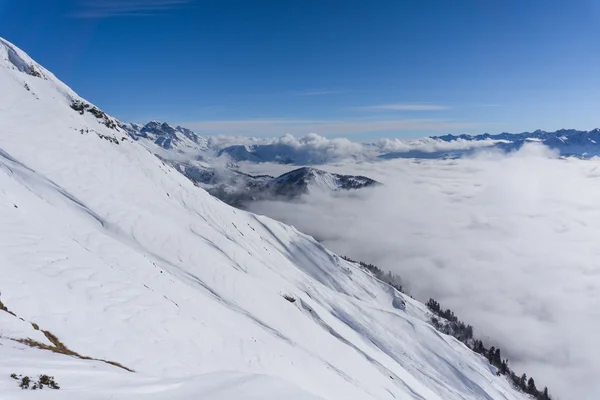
[
  {"x": 305, "y": 179},
  {"x": 109, "y": 255}
]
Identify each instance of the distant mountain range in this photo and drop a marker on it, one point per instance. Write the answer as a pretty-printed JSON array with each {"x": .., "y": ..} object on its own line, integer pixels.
[
  {"x": 200, "y": 161},
  {"x": 214, "y": 166},
  {"x": 315, "y": 150},
  {"x": 569, "y": 142}
]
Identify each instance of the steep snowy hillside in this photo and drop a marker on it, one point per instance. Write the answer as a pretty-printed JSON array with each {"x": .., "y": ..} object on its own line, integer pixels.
[{"x": 123, "y": 280}]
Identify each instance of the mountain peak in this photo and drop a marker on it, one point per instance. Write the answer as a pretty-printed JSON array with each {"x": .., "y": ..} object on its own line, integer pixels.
[
  {"x": 307, "y": 178},
  {"x": 14, "y": 58},
  {"x": 166, "y": 136}
]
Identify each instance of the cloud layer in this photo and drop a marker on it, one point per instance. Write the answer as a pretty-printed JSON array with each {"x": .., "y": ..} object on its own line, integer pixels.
[
  {"x": 315, "y": 147},
  {"x": 509, "y": 242},
  {"x": 275, "y": 127}
]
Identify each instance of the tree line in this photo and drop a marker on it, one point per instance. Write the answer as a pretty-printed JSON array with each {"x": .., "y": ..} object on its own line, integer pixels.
[
  {"x": 453, "y": 326},
  {"x": 448, "y": 323},
  {"x": 387, "y": 277}
]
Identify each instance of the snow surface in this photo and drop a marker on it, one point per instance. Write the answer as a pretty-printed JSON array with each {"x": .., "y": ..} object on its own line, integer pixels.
[{"x": 123, "y": 259}]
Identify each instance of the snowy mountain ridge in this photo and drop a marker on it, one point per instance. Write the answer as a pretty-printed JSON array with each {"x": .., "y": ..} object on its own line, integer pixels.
[
  {"x": 316, "y": 179},
  {"x": 572, "y": 134},
  {"x": 167, "y": 137},
  {"x": 313, "y": 149},
  {"x": 110, "y": 253},
  {"x": 12, "y": 57},
  {"x": 568, "y": 142}
]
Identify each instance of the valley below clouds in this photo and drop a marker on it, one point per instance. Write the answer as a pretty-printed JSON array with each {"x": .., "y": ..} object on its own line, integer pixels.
[{"x": 509, "y": 242}]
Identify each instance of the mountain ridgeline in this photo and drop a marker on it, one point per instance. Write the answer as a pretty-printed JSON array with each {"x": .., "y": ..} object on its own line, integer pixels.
[
  {"x": 567, "y": 142},
  {"x": 166, "y": 136},
  {"x": 302, "y": 151}
]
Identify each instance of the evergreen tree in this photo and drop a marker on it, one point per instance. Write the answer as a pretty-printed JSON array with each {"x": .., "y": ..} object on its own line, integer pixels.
[
  {"x": 504, "y": 367},
  {"x": 531, "y": 389},
  {"x": 490, "y": 355},
  {"x": 469, "y": 332},
  {"x": 523, "y": 382},
  {"x": 545, "y": 395},
  {"x": 497, "y": 361}
]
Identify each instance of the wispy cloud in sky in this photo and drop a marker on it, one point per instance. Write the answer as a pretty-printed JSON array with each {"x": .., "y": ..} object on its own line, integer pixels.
[
  {"x": 125, "y": 8},
  {"x": 405, "y": 107},
  {"x": 317, "y": 92},
  {"x": 276, "y": 127}
]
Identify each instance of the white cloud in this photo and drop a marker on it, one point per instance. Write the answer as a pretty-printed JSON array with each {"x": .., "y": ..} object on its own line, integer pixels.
[
  {"x": 119, "y": 8},
  {"x": 509, "y": 242},
  {"x": 309, "y": 147},
  {"x": 316, "y": 147},
  {"x": 271, "y": 127},
  {"x": 405, "y": 107},
  {"x": 429, "y": 145}
]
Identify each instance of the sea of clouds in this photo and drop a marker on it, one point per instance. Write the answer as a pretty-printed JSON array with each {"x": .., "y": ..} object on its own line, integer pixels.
[
  {"x": 511, "y": 243},
  {"x": 318, "y": 147}
]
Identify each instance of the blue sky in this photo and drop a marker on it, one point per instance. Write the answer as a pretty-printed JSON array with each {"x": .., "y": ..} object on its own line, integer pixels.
[{"x": 361, "y": 69}]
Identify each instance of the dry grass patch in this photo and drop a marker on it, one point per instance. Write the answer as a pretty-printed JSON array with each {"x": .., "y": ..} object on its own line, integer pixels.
[
  {"x": 57, "y": 346},
  {"x": 3, "y": 308},
  {"x": 60, "y": 348}
]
